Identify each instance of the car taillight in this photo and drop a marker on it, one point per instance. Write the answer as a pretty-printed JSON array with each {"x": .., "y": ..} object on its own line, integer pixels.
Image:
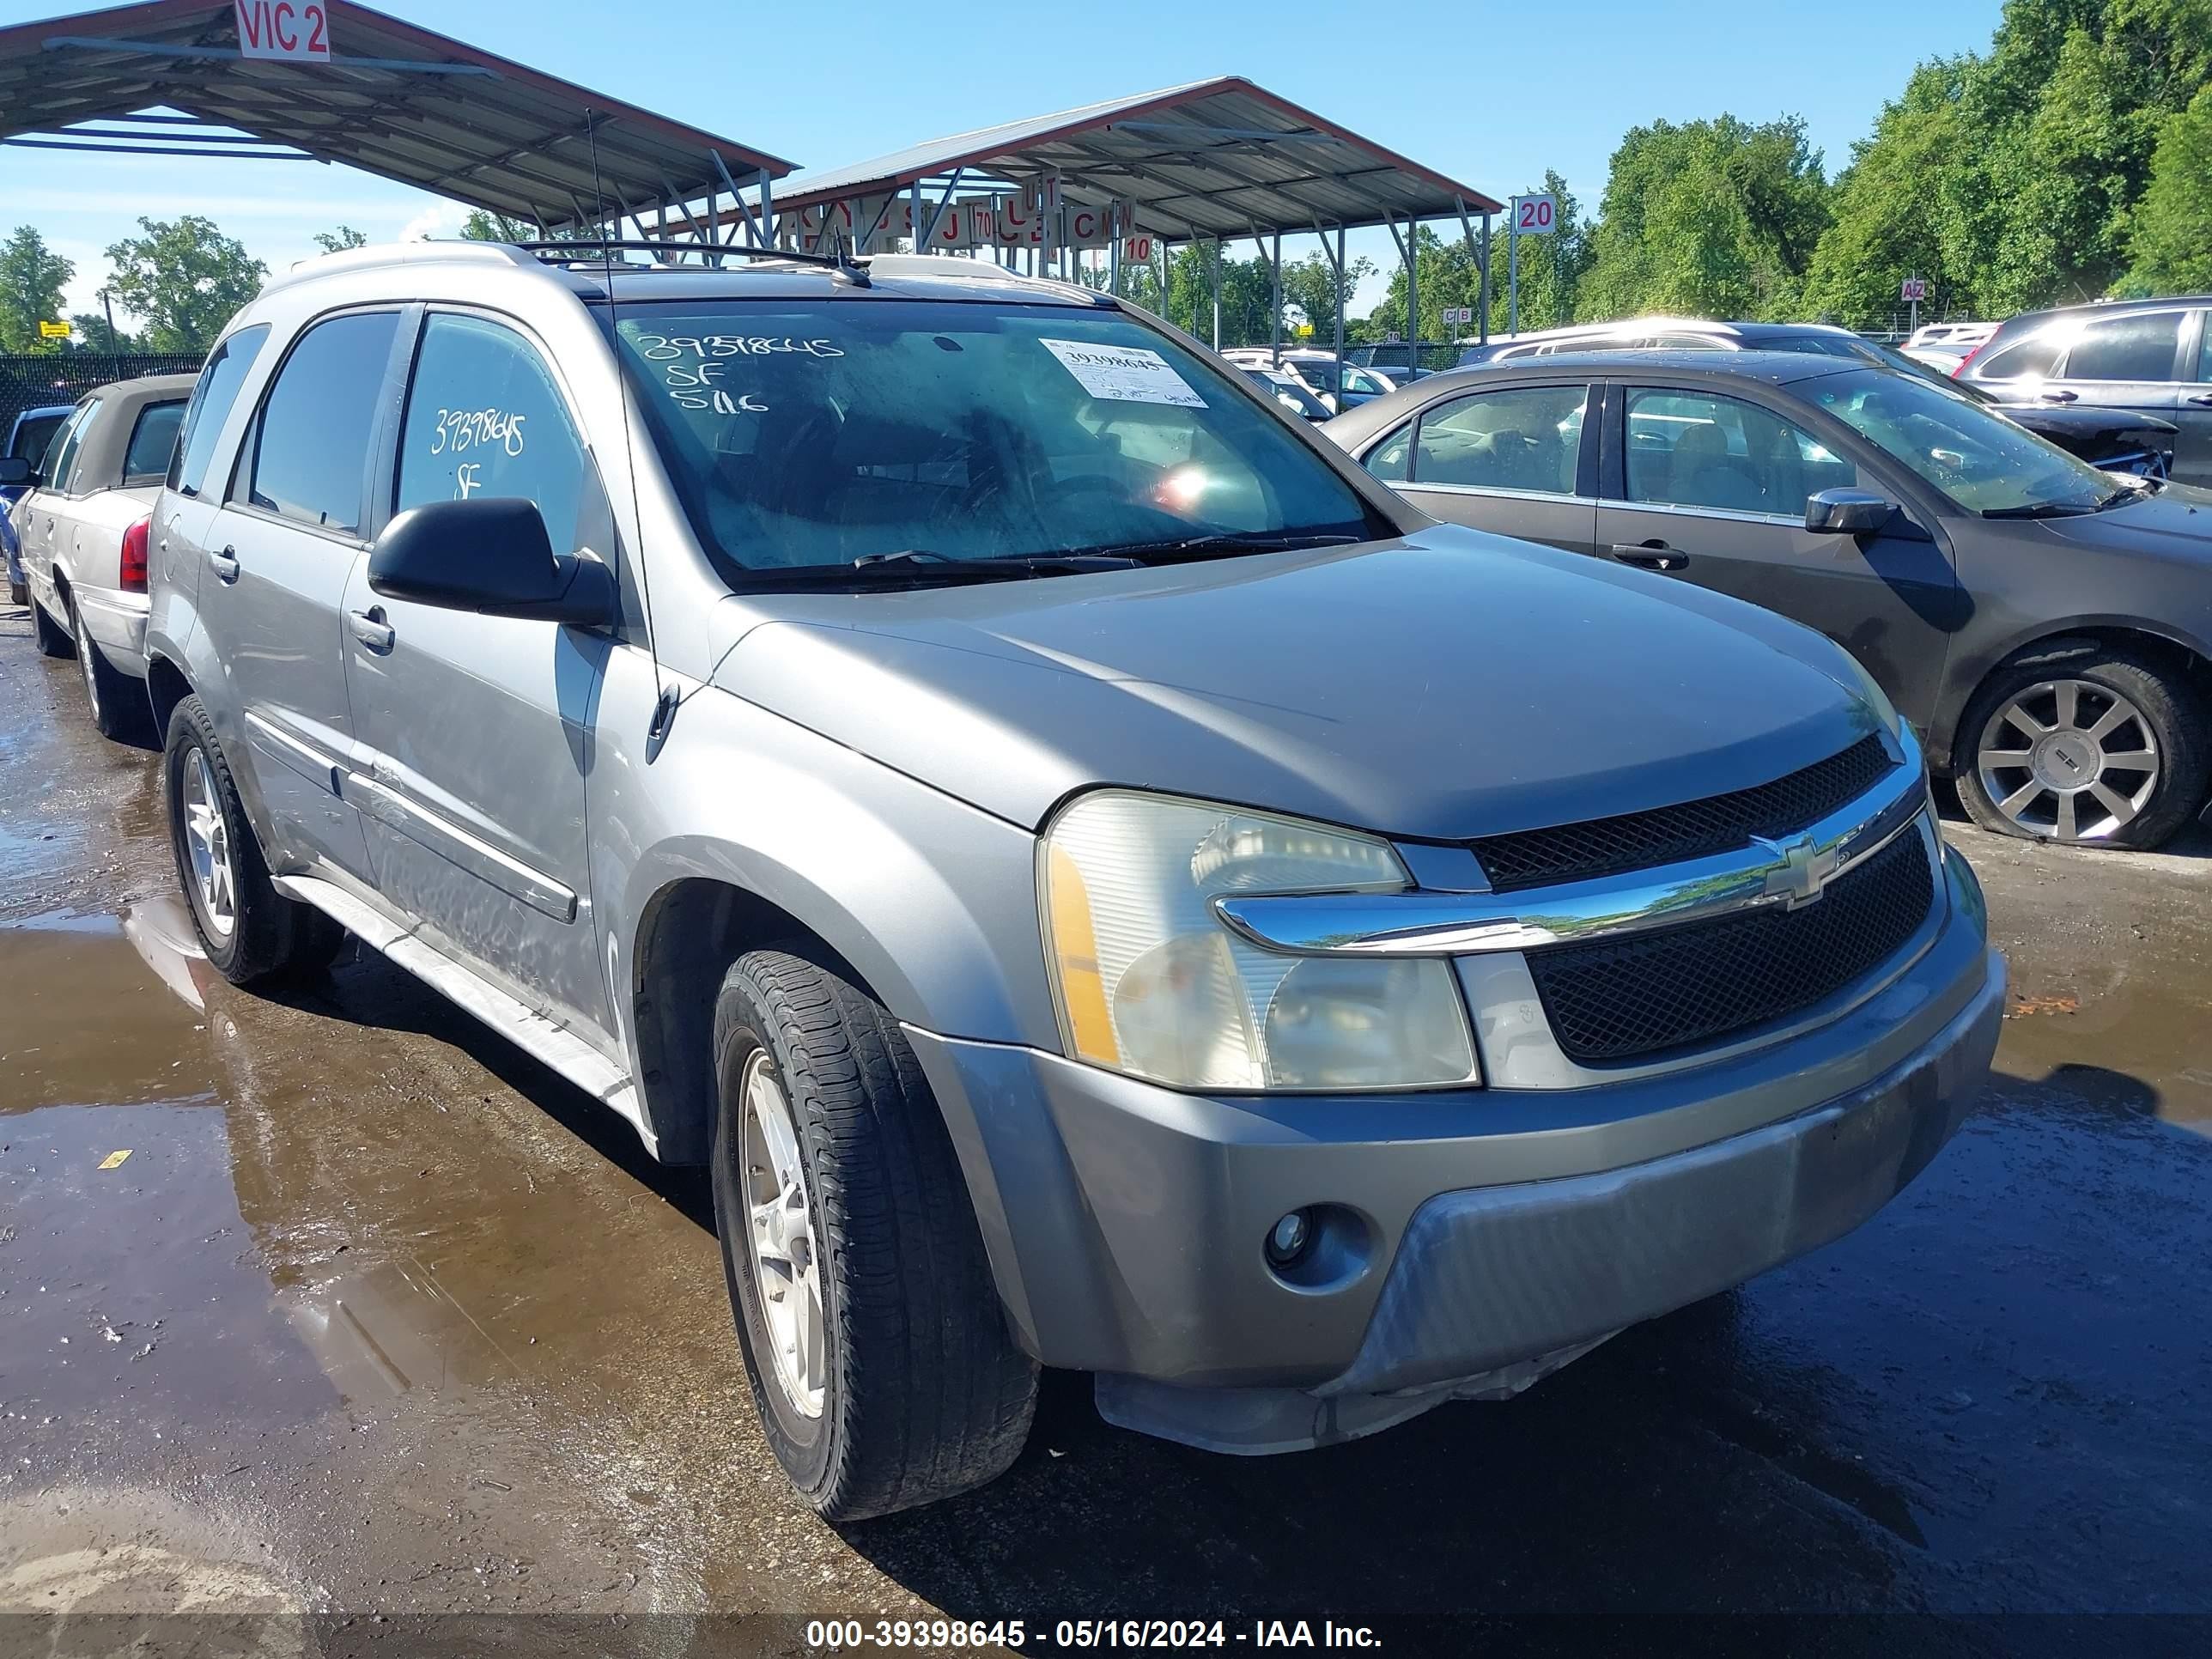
[{"x": 134, "y": 557}]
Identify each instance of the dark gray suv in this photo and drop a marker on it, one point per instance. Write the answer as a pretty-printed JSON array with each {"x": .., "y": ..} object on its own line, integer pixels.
[
  {"x": 2046, "y": 625},
  {"x": 1101, "y": 882}
]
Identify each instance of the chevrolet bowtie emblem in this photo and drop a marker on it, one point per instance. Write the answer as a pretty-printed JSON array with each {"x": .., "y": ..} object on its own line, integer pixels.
[{"x": 1803, "y": 870}]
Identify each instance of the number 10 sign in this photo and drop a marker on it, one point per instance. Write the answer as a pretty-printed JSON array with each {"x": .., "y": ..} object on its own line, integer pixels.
[{"x": 1535, "y": 216}]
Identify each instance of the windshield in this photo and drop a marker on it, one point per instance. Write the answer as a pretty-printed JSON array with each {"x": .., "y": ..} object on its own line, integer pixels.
[
  {"x": 1290, "y": 391},
  {"x": 1981, "y": 461},
  {"x": 804, "y": 436}
]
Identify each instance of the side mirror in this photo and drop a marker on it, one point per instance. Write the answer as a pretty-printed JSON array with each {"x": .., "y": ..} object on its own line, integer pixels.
[
  {"x": 14, "y": 469},
  {"x": 1846, "y": 512},
  {"x": 490, "y": 556}
]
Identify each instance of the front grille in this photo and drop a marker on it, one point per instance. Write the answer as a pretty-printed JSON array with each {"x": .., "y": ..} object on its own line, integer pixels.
[
  {"x": 1695, "y": 830},
  {"x": 1657, "y": 992}
]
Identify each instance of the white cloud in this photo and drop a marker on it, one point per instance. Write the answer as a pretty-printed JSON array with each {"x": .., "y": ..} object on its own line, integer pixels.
[{"x": 438, "y": 219}]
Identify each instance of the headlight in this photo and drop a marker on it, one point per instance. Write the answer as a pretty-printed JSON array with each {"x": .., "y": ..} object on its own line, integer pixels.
[{"x": 1150, "y": 982}]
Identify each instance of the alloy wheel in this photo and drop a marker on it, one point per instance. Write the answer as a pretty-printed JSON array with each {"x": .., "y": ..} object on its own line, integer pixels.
[
  {"x": 207, "y": 840},
  {"x": 2069, "y": 760},
  {"x": 779, "y": 1231}
]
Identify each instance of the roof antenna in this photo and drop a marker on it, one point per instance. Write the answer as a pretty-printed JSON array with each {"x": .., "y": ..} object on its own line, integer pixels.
[{"x": 665, "y": 698}]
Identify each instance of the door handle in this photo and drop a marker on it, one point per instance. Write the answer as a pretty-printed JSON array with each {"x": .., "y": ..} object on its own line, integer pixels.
[
  {"x": 1650, "y": 556},
  {"x": 2059, "y": 397},
  {"x": 224, "y": 564},
  {"x": 2202, "y": 399},
  {"x": 370, "y": 627}
]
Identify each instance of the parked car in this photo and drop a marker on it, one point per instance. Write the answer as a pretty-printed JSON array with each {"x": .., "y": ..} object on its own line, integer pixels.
[
  {"x": 2149, "y": 357},
  {"x": 1964, "y": 335},
  {"x": 2124, "y": 440},
  {"x": 28, "y": 437},
  {"x": 1288, "y": 390},
  {"x": 1576, "y": 944},
  {"x": 2047, "y": 626},
  {"x": 83, "y": 532},
  {"x": 1319, "y": 371}
]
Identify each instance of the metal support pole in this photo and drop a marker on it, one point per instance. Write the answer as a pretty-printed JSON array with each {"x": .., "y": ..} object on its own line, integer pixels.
[
  {"x": 1275, "y": 312},
  {"x": 1413, "y": 293},
  {"x": 1217, "y": 294},
  {"x": 914, "y": 217},
  {"x": 1485, "y": 279},
  {"x": 1513, "y": 270},
  {"x": 1113, "y": 249},
  {"x": 1339, "y": 317}
]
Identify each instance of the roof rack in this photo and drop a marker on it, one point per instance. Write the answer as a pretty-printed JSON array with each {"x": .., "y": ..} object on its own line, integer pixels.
[{"x": 558, "y": 252}]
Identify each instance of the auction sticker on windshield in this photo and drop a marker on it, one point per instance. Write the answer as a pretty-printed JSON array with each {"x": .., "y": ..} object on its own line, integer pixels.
[{"x": 1126, "y": 374}]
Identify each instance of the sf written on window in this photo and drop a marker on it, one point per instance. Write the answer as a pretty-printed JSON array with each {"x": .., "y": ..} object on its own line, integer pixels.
[{"x": 485, "y": 419}]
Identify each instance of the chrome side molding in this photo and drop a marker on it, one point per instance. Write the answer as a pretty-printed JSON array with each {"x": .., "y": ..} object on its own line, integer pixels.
[{"x": 1788, "y": 873}]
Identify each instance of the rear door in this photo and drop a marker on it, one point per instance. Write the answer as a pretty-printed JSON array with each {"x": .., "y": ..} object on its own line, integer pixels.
[
  {"x": 1711, "y": 487},
  {"x": 185, "y": 514},
  {"x": 293, "y": 524},
  {"x": 1507, "y": 459},
  {"x": 476, "y": 730},
  {"x": 2131, "y": 361},
  {"x": 2192, "y": 408}
]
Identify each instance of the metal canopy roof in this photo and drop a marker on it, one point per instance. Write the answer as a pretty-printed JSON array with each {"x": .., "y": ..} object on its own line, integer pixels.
[
  {"x": 394, "y": 100},
  {"x": 1218, "y": 158}
]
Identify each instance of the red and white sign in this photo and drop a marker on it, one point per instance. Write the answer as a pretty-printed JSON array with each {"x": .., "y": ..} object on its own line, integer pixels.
[
  {"x": 976, "y": 222},
  {"x": 1913, "y": 289},
  {"x": 1535, "y": 216},
  {"x": 291, "y": 31}
]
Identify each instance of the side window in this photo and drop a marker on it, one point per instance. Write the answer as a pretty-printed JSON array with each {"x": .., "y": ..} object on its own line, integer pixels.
[
  {"x": 2137, "y": 348},
  {"x": 67, "y": 441},
  {"x": 153, "y": 441},
  {"x": 2204, "y": 350},
  {"x": 311, "y": 447},
  {"x": 1388, "y": 459},
  {"x": 1691, "y": 449},
  {"x": 1517, "y": 437},
  {"x": 484, "y": 418},
  {"x": 212, "y": 397},
  {"x": 2035, "y": 356}
]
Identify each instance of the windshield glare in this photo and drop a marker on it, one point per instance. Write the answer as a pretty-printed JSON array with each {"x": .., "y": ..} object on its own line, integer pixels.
[
  {"x": 1981, "y": 461},
  {"x": 805, "y": 436}
]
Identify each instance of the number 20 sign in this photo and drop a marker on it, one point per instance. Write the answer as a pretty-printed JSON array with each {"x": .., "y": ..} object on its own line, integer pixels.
[
  {"x": 1535, "y": 216},
  {"x": 298, "y": 31}
]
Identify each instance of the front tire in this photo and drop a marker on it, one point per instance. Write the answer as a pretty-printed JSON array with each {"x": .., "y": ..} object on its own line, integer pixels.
[
  {"x": 251, "y": 932},
  {"x": 878, "y": 1355},
  {"x": 2105, "y": 751}
]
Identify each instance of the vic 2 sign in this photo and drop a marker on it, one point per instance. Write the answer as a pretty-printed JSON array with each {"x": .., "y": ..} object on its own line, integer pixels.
[
  {"x": 1535, "y": 216},
  {"x": 294, "y": 31}
]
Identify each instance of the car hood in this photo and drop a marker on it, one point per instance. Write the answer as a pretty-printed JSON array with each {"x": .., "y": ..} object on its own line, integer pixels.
[
  {"x": 2175, "y": 524},
  {"x": 1445, "y": 684},
  {"x": 2075, "y": 421}
]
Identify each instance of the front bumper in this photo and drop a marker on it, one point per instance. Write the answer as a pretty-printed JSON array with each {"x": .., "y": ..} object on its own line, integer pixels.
[
  {"x": 117, "y": 622},
  {"x": 1487, "y": 1236}
]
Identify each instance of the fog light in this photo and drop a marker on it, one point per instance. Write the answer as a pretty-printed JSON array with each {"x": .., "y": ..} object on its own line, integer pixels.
[{"x": 1287, "y": 1240}]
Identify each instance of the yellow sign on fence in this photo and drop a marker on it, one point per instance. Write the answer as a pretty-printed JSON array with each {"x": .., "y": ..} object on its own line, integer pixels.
[{"x": 53, "y": 330}]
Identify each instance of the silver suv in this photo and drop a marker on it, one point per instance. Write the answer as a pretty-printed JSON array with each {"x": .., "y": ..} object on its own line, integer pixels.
[{"x": 1103, "y": 882}]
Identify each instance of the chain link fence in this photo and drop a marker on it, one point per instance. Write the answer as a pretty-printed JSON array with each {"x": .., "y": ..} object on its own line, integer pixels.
[{"x": 29, "y": 382}]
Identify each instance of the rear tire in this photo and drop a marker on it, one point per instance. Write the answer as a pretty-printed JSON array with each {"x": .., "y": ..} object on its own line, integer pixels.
[
  {"x": 251, "y": 932},
  {"x": 908, "y": 1388},
  {"x": 18, "y": 593},
  {"x": 118, "y": 702},
  {"x": 2107, "y": 751},
  {"x": 51, "y": 637}
]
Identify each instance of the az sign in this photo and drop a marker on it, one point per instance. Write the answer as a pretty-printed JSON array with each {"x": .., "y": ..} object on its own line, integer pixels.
[{"x": 291, "y": 31}]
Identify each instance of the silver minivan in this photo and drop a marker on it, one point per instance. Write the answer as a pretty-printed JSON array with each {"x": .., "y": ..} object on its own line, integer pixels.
[{"x": 1102, "y": 882}]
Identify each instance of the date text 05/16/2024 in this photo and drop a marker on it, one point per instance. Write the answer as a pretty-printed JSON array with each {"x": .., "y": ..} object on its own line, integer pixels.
[{"x": 831, "y": 1634}]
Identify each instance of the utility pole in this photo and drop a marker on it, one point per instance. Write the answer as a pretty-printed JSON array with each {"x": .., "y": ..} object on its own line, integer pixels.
[{"x": 106, "y": 307}]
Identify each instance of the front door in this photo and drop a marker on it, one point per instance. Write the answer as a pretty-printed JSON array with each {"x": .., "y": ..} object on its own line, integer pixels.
[
  {"x": 1505, "y": 458},
  {"x": 2192, "y": 409},
  {"x": 277, "y": 560},
  {"x": 476, "y": 730},
  {"x": 2128, "y": 361},
  {"x": 1713, "y": 491}
]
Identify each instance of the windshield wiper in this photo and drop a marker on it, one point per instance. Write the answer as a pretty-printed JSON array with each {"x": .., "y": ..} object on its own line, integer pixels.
[
  {"x": 1197, "y": 547},
  {"x": 911, "y": 563},
  {"x": 2042, "y": 510}
]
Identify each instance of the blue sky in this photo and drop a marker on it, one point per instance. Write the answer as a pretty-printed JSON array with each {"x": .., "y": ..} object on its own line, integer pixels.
[{"x": 1489, "y": 94}]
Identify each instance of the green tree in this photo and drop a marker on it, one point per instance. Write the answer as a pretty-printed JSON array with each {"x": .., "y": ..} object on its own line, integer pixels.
[
  {"x": 1716, "y": 218},
  {"x": 482, "y": 226},
  {"x": 186, "y": 279},
  {"x": 32, "y": 277},
  {"x": 338, "y": 240},
  {"x": 2170, "y": 234},
  {"x": 91, "y": 331},
  {"x": 1448, "y": 273},
  {"x": 1310, "y": 289}
]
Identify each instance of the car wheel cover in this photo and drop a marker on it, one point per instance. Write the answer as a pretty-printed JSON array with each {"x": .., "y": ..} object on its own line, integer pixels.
[
  {"x": 207, "y": 843},
  {"x": 780, "y": 1233},
  {"x": 2069, "y": 760}
]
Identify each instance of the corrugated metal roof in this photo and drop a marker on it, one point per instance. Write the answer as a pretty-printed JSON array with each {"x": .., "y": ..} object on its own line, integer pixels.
[
  {"x": 486, "y": 130},
  {"x": 1214, "y": 158}
]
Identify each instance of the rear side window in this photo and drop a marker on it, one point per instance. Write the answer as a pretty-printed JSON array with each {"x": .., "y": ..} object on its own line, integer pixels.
[
  {"x": 63, "y": 456},
  {"x": 1388, "y": 460},
  {"x": 35, "y": 434},
  {"x": 311, "y": 454},
  {"x": 153, "y": 441},
  {"x": 1521, "y": 438},
  {"x": 2138, "y": 348},
  {"x": 218, "y": 388},
  {"x": 1693, "y": 449},
  {"x": 485, "y": 419}
]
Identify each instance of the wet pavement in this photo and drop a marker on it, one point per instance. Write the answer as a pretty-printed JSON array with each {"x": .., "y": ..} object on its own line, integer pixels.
[{"x": 377, "y": 1318}]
